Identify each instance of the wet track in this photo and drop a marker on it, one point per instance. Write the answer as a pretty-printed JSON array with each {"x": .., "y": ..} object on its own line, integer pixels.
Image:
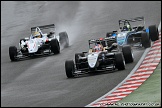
[{"x": 42, "y": 81}]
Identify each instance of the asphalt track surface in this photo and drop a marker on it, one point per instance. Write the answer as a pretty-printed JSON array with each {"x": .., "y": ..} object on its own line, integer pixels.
[{"x": 42, "y": 81}]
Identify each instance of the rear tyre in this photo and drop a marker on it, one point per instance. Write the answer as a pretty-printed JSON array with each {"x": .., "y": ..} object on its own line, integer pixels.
[
  {"x": 120, "y": 62},
  {"x": 64, "y": 40},
  {"x": 13, "y": 53},
  {"x": 127, "y": 53},
  {"x": 55, "y": 47},
  {"x": 153, "y": 33},
  {"x": 146, "y": 42},
  {"x": 69, "y": 68},
  {"x": 78, "y": 66}
]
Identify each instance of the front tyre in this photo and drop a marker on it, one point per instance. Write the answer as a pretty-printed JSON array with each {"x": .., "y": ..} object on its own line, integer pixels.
[
  {"x": 120, "y": 62},
  {"x": 55, "y": 47},
  {"x": 127, "y": 53},
  {"x": 146, "y": 42},
  {"x": 69, "y": 68},
  {"x": 13, "y": 53}
]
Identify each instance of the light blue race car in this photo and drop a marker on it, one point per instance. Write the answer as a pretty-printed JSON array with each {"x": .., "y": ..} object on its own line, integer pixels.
[{"x": 137, "y": 35}]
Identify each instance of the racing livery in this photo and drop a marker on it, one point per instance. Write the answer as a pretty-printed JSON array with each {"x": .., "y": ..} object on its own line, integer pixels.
[
  {"x": 39, "y": 43},
  {"x": 100, "y": 57},
  {"x": 137, "y": 35}
]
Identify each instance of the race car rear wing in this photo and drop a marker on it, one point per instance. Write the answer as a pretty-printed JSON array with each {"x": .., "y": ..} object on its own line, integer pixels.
[
  {"x": 43, "y": 27},
  {"x": 124, "y": 22},
  {"x": 131, "y": 20}
]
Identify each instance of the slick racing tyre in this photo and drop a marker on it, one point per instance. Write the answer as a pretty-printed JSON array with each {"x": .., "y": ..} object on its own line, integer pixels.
[
  {"x": 13, "y": 53},
  {"x": 69, "y": 68},
  {"x": 120, "y": 62},
  {"x": 153, "y": 33},
  {"x": 127, "y": 53},
  {"x": 146, "y": 42},
  {"x": 64, "y": 40},
  {"x": 55, "y": 47},
  {"x": 77, "y": 61}
]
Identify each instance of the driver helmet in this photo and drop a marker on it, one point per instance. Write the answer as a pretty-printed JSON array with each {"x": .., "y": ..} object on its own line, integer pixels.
[
  {"x": 128, "y": 27},
  {"x": 97, "y": 47},
  {"x": 37, "y": 35}
]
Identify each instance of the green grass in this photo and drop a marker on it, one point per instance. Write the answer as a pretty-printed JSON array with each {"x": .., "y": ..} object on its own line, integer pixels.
[{"x": 149, "y": 92}]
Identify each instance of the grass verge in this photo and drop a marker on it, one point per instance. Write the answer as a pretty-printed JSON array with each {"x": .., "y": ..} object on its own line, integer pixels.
[{"x": 147, "y": 95}]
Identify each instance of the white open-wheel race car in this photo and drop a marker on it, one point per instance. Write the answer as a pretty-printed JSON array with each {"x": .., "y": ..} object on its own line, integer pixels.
[
  {"x": 39, "y": 43},
  {"x": 103, "y": 58}
]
